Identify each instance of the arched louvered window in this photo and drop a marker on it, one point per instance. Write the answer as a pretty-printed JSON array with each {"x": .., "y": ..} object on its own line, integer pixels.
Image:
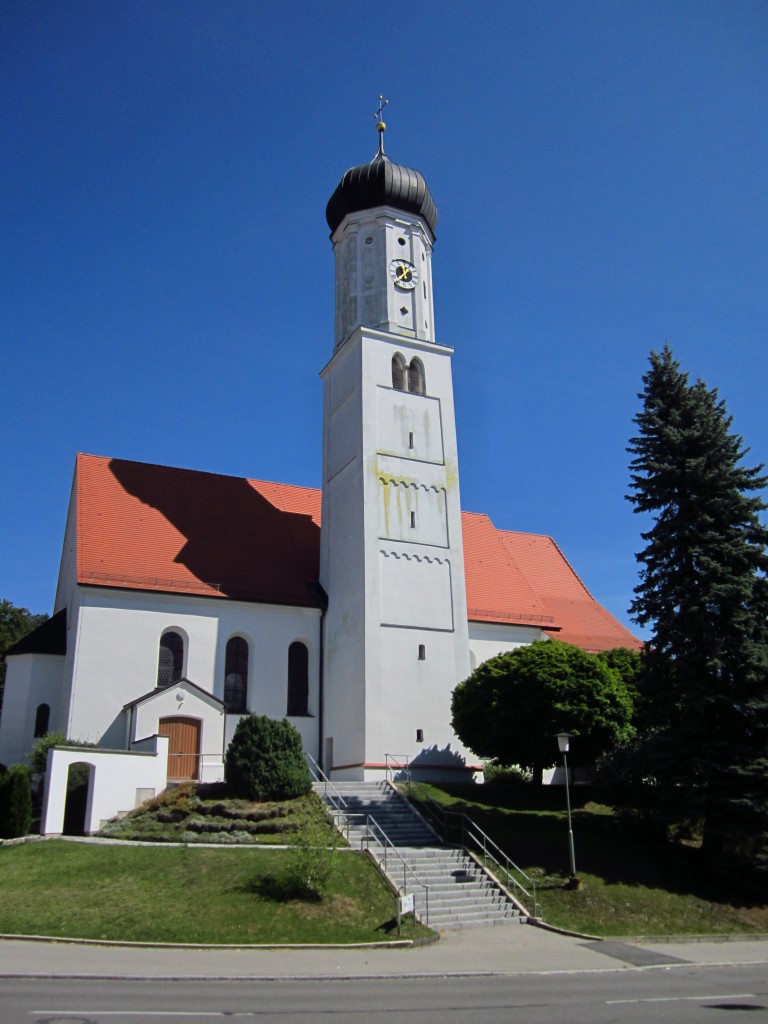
[
  {"x": 298, "y": 680},
  {"x": 170, "y": 663},
  {"x": 236, "y": 676},
  {"x": 42, "y": 717},
  {"x": 416, "y": 382},
  {"x": 398, "y": 372}
]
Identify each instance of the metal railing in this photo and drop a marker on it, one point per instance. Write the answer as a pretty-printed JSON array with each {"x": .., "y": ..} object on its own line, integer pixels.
[
  {"x": 343, "y": 818},
  {"x": 453, "y": 823},
  {"x": 398, "y": 763},
  {"x": 338, "y": 805},
  {"x": 376, "y": 834},
  {"x": 189, "y": 767}
]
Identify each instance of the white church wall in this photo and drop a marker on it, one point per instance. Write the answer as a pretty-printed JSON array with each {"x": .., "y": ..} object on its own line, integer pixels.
[
  {"x": 342, "y": 553},
  {"x": 67, "y": 581},
  {"x": 487, "y": 639},
  {"x": 184, "y": 700},
  {"x": 118, "y": 646},
  {"x": 119, "y": 781},
  {"x": 412, "y": 512},
  {"x": 269, "y": 631},
  {"x": 415, "y": 592},
  {"x": 408, "y": 713},
  {"x": 31, "y": 680},
  {"x": 408, "y": 426},
  {"x": 117, "y": 654}
]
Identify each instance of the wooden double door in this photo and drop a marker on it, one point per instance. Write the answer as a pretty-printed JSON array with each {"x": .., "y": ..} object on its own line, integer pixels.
[{"x": 183, "y": 747}]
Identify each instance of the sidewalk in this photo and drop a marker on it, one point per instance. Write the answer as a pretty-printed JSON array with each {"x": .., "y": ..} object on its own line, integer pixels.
[{"x": 480, "y": 951}]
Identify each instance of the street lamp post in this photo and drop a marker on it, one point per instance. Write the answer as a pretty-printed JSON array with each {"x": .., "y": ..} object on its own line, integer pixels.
[{"x": 563, "y": 741}]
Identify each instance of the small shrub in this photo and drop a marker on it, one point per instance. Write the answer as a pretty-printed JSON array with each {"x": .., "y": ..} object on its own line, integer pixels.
[
  {"x": 15, "y": 802},
  {"x": 265, "y": 760},
  {"x": 78, "y": 774},
  {"x": 313, "y": 861},
  {"x": 176, "y": 802},
  {"x": 506, "y": 775},
  {"x": 39, "y": 756}
]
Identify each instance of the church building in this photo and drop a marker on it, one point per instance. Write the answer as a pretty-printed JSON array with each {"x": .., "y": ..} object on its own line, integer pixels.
[{"x": 186, "y": 599}]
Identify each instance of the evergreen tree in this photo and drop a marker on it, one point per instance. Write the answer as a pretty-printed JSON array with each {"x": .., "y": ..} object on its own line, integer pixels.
[{"x": 703, "y": 593}]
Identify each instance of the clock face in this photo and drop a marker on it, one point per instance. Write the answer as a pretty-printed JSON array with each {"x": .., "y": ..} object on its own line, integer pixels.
[{"x": 404, "y": 274}]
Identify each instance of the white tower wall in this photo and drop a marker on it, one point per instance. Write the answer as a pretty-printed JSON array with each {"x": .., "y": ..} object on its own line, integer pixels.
[{"x": 392, "y": 559}]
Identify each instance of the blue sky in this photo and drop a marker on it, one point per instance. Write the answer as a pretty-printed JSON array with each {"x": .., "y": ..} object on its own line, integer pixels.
[{"x": 167, "y": 278}]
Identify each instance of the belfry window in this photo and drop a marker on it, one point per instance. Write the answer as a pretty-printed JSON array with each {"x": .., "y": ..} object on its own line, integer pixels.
[
  {"x": 416, "y": 377},
  {"x": 398, "y": 373},
  {"x": 236, "y": 676},
  {"x": 170, "y": 663},
  {"x": 407, "y": 377},
  {"x": 298, "y": 680}
]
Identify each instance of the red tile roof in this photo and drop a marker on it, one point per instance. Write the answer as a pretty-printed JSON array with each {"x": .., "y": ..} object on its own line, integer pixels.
[
  {"x": 497, "y": 591},
  {"x": 151, "y": 527},
  {"x": 147, "y": 527},
  {"x": 583, "y": 621}
]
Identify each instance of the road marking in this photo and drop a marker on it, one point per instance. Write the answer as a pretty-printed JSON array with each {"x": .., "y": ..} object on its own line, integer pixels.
[
  {"x": 63, "y": 1014},
  {"x": 681, "y": 999}
]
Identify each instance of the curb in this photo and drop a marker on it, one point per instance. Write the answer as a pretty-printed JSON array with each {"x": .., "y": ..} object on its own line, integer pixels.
[
  {"x": 67, "y": 940},
  {"x": 536, "y": 922}
]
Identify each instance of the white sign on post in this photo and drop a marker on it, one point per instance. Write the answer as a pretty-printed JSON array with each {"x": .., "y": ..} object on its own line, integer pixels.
[{"x": 406, "y": 903}]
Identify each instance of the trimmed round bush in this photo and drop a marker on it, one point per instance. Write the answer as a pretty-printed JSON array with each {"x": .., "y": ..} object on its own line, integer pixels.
[{"x": 265, "y": 760}]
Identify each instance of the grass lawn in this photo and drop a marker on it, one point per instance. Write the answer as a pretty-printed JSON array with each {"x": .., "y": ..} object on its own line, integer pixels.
[
  {"x": 631, "y": 884},
  {"x": 182, "y": 894}
]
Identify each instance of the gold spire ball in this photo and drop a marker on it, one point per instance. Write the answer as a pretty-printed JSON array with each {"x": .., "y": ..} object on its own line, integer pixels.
[{"x": 380, "y": 124}]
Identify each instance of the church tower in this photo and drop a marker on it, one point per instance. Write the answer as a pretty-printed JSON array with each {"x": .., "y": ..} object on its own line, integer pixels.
[{"x": 392, "y": 559}]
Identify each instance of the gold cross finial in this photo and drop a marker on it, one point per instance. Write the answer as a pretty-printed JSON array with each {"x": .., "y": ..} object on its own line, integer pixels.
[{"x": 380, "y": 125}]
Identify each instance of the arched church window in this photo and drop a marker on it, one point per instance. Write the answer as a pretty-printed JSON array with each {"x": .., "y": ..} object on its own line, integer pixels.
[
  {"x": 398, "y": 372},
  {"x": 42, "y": 718},
  {"x": 416, "y": 382},
  {"x": 170, "y": 662},
  {"x": 298, "y": 680},
  {"x": 236, "y": 676}
]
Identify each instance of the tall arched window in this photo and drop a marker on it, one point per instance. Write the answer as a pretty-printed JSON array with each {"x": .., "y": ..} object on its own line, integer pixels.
[
  {"x": 236, "y": 676},
  {"x": 416, "y": 382},
  {"x": 42, "y": 717},
  {"x": 298, "y": 679},
  {"x": 170, "y": 663},
  {"x": 398, "y": 372}
]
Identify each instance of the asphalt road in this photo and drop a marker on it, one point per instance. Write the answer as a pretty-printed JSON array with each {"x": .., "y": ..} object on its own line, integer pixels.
[{"x": 667, "y": 995}]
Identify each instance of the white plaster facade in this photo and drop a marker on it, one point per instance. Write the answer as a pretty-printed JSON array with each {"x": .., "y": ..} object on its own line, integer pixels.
[{"x": 119, "y": 781}]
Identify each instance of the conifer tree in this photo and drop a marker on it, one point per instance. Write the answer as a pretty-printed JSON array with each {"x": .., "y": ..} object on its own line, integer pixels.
[{"x": 703, "y": 594}]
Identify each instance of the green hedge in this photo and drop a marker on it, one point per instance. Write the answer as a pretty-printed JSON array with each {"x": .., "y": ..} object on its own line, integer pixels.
[{"x": 15, "y": 802}]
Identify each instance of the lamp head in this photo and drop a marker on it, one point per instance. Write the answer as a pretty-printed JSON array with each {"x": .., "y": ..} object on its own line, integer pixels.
[{"x": 563, "y": 739}]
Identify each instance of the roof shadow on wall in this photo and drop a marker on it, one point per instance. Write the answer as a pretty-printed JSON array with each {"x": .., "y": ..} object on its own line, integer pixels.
[{"x": 237, "y": 541}]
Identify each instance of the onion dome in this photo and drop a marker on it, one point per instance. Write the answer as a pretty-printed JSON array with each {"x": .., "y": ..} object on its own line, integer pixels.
[{"x": 381, "y": 183}]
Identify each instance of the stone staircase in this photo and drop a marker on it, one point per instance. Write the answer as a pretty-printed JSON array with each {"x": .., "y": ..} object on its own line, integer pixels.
[{"x": 461, "y": 893}]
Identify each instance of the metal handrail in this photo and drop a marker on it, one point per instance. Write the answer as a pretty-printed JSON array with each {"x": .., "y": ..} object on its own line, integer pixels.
[
  {"x": 398, "y": 763},
  {"x": 483, "y": 842},
  {"x": 371, "y": 827},
  {"x": 338, "y": 808}
]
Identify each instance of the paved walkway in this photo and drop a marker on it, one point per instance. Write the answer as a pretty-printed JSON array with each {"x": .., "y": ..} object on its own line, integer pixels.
[{"x": 508, "y": 950}]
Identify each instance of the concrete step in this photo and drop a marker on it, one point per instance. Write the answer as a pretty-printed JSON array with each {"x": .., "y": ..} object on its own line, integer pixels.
[{"x": 461, "y": 894}]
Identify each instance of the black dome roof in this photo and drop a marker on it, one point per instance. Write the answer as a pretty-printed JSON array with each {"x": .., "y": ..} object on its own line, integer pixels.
[{"x": 381, "y": 183}]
